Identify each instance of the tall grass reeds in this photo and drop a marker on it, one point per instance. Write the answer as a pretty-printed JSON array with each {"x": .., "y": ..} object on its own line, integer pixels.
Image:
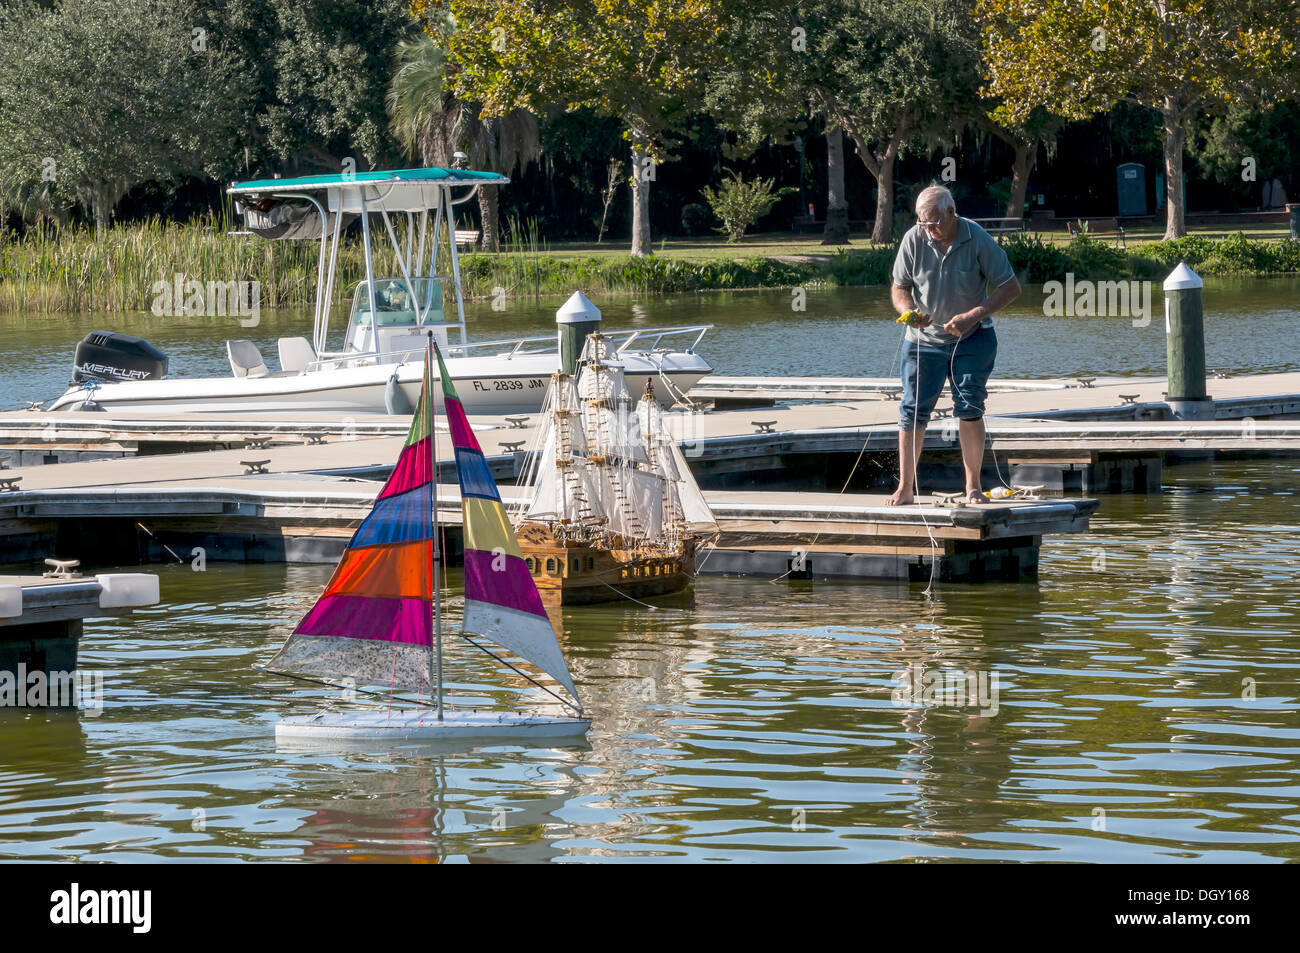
[{"x": 49, "y": 270}]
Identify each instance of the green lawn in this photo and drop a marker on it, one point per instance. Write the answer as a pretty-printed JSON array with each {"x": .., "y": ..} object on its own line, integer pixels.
[
  {"x": 786, "y": 244},
  {"x": 1156, "y": 233},
  {"x": 766, "y": 245}
]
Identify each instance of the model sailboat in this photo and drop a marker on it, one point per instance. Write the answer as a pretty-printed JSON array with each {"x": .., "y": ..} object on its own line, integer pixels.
[
  {"x": 613, "y": 510},
  {"x": 379, "y": 620}
]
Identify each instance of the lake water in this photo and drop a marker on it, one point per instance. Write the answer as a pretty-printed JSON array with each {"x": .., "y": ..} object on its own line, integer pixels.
[
  {"x": 1137, "y": 703},
  {"x": 1251, "y": 326}
]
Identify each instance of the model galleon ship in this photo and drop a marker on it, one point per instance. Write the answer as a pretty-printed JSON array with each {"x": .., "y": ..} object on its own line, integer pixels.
[{"x": 614, "y": 511}]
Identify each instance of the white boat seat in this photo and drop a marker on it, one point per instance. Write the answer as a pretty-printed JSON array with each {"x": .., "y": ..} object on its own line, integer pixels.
[
  {"x": 246, "y": 359},
  {"x": 295, "y": 354}
]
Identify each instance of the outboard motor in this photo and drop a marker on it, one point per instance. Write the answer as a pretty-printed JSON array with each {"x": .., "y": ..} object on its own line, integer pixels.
[{"x": 110, "y": 356}]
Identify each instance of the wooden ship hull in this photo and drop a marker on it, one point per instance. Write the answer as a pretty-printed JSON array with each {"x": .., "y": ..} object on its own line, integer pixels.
[{"x": 569, "y": 572}]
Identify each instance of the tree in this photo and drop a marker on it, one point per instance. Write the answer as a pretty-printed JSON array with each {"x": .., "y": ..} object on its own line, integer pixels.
[
  {"x": 751, "y": 93},
  {"x": 100, "y": 95},
  {"x": 836, "y": 231},
  {"x": 331, "y": 62},
  {"x": 1080, "y": 57},
  {"x": 1025, "y": 137},
  {"x": 641, "y": 61},
  {"x": 1246, "y": 146},
  {"x": 887, "y": 72},
  {"x": 429, "y": 120}
]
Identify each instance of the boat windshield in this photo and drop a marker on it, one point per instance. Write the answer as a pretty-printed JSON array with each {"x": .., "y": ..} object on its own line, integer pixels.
[{"x": 394, "y": 305}]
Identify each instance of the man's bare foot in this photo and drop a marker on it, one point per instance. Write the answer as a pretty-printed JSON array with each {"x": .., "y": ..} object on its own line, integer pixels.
[
  {"x": 976, "y": 496},
  {"x": 900, "y": 497}
]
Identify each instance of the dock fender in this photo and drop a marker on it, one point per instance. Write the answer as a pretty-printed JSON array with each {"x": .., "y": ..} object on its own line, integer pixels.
[{"x": 394, "y": 400}]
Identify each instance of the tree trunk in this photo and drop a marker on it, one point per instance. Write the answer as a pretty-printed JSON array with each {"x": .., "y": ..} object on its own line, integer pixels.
[
  {"x": 1175, "y": 143},
  {"x": 882, "y": 169},
  {"x": 1026, "y": 154},
  {"x": 102, "y": 207},
  {"x": 883, "y": 230},
  {"x": 642, "y": 172},
  {"x": 488, "y": 206},
  {"x": 837, "y": 205}
]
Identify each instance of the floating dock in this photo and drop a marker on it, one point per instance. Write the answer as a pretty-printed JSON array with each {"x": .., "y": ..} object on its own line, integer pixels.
[
  {"x": 795, "y": 484},
  {"x": 1093, "y": 428},
  {"x": 307, "y": 500},
  {"x": 41, "y": 625}
]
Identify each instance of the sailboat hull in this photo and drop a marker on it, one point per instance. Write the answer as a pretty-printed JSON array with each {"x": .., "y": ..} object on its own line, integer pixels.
[
  {"x": 423, "y": 725},
  {"x": 568, "y": 573}
]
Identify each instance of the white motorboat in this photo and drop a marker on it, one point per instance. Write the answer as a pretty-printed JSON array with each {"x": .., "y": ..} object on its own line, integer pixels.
[{"x": 375, "y": 367}]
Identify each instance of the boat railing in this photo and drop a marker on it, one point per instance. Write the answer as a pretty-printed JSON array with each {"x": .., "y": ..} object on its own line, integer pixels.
[
  {"x": 623, "y": 340},
  {"x": 658, "y": 334}
]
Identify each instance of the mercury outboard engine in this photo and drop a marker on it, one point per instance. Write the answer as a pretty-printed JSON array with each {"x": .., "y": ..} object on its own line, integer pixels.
[{"x": 109, "y": 356}]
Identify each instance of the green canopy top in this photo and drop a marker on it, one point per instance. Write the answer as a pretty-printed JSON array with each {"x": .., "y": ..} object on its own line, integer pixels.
[{"x": 358, "y": 180}]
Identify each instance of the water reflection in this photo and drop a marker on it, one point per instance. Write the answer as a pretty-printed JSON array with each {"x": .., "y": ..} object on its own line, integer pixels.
[
  {"x": 411, "y": 805},
  {"x": 1146, "y": 709}
]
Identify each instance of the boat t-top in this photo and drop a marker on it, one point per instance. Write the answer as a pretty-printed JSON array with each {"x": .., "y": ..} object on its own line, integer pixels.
[{"x": 374, "y": 366}]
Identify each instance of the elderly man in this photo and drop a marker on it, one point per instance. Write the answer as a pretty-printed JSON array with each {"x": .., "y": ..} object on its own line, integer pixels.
[{"x": 941, "y": 276}]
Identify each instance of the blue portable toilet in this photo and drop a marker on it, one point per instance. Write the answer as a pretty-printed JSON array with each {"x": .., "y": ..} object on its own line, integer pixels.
[{"x": 1131, "y": 188}]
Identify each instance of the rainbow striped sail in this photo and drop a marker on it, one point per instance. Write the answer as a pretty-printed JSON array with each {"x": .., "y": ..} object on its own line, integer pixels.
[
  {"x": 501, "y": 600},
  {"x": 374, "y": 621}
]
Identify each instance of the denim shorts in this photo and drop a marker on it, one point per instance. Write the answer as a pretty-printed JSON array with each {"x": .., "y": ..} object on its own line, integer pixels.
[{"x": 965, "y": 365}]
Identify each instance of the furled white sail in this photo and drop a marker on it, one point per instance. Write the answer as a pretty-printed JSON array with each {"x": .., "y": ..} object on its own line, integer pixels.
[
  {"x": 683, "y": 492},
  {"x": 614, "y": 432},
  {"x": 695, "y": 510},
  {"x": 547, "y": 502},
  {"x": 633, "y": 502},
  {"x": 600, "y": 378}
]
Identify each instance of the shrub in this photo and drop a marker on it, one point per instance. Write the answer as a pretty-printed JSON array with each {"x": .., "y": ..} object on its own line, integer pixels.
[
  {"x": 740, "y": 204},
  {"x": 863, "y": 266},
  {"x": 696, "y": 218},
  {"x": 1089, "y": 257},
  {"x": 1042, "y": 260}
]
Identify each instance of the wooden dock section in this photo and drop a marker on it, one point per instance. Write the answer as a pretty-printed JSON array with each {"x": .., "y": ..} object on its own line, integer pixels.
[
  {"x": 307, "y": 504},
  {"x": 294, "y": 486}
]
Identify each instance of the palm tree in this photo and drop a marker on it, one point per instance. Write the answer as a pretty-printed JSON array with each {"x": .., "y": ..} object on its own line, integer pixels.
[
  {"x": 433, "y": 124},
  {"x": 32, "y": 201}
]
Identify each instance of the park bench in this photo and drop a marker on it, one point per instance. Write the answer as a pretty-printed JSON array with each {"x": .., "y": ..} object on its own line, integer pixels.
[
  {"x": 467, "y": 237},
  {"x": 1000, "y": 226},
  {"x": 1099, "y": 228}
]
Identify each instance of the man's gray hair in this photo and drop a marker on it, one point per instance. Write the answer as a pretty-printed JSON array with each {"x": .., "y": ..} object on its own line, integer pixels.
[{"x": 936, "y": 197}]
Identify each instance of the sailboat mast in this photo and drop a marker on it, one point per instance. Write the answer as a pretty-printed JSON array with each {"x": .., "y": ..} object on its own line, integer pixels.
[{"x": 435, "y": 557}]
